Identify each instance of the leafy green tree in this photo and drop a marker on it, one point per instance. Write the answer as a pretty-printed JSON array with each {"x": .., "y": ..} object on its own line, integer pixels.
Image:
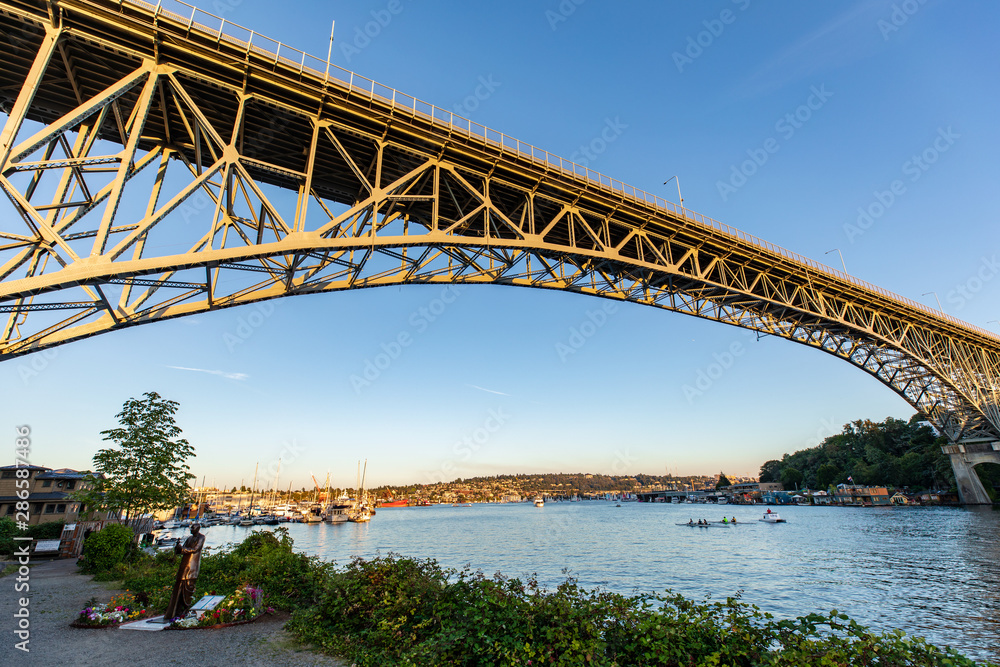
[
  {"x": 723, "y": 482},
  {"x": 146, "y": 469},
  {"x": 770, "y": 471},
  {"x": 826, "y": 475},
  {"x": 791, "y": 477}
]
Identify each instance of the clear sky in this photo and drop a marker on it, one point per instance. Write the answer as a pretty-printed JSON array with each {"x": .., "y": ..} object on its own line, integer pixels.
[{"x": 854, "y": 95}]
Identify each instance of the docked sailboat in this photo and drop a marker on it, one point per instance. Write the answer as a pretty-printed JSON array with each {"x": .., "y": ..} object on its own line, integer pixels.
[
  {"x": 361, "y": 512},
  {"x": 336, "y": 511}
]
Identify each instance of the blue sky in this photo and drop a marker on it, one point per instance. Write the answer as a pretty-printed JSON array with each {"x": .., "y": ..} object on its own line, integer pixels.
[{"x": 839, "y": 97}]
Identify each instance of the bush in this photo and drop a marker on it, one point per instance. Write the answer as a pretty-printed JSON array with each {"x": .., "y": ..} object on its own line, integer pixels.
[
  {"x": 107, "y": 548},
  {"x": 42, "y": 531},
  {"x": 399, "y": 611}
]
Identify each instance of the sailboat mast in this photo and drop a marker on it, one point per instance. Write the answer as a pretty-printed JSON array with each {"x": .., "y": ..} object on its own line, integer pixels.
[
  {"x": 363, "y": 476},
  {"x": 253, "y": 489},
  {"x": 276, "y": 476}
]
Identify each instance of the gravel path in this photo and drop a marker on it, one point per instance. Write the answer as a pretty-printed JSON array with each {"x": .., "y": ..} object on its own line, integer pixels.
[{"x": 58, "y": 594}]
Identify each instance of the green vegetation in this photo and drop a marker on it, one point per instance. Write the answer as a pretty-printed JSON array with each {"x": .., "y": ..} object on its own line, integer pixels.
[
  {"x": 394, "y": 610},
  {"x": 263, "y": 559},
  {"x": 723, "y": 482},
  {"x": 892, "y": 453},
  {"x": 106, "y": 548},
  {"x": 146, "y": 470},
  {"x": 42, "y": 531}
]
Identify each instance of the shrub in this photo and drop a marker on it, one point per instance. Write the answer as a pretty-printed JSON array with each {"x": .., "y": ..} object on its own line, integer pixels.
[
  {"x": 42, "y": 531},
  {"x": 107, "y": 548},
  {"x": 399, "y": 611}
]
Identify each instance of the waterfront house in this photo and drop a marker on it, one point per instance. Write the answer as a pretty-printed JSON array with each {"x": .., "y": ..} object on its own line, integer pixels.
[
  {"x": 861, "y": 496},
  {"x": 49, "y": 493},
  {"x": 899, "y": 499},
  {"x": 777, "y": 498}
]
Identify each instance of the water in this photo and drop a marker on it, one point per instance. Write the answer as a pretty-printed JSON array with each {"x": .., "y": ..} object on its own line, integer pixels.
[{"x": 932, "y": 572}]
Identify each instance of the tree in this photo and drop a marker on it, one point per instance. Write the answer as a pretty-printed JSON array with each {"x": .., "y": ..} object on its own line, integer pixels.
[
  {"x": 723, "y": 482},
  {"x": 146, "y": 469},
  {"x": 826, "y": 475},
  {"x": 769, "y": 472},
  {"x": 791, "y": 477}
]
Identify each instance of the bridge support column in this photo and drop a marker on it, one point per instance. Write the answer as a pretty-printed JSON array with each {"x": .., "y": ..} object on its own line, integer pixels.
[{"x": 964, "y": 458}]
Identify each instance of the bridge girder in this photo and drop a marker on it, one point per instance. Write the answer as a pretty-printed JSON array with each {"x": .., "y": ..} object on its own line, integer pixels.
[{"x": 155, "y": 172}]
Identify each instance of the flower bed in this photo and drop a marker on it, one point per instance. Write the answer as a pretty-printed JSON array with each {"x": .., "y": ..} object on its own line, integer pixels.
[
  {"x": 122, "y": 608},
  {"x": 245, "y": 605}
]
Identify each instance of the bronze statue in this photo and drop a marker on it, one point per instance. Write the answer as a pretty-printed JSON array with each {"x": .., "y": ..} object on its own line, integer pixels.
[{"x": 187, "y": 574}]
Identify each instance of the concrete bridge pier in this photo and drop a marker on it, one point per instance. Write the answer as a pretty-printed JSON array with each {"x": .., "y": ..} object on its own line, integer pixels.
[{"x": 964, "y": 458}]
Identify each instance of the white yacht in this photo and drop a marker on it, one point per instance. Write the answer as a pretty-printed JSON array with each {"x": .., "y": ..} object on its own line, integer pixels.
[{"x": 539, "y": 501}]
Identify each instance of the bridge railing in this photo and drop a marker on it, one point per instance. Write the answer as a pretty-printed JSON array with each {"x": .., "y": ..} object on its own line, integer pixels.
[{"x": 222, "y": 30}]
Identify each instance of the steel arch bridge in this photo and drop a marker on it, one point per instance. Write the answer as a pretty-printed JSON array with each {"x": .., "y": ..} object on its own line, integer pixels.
[{"x": 160, "y": 164}]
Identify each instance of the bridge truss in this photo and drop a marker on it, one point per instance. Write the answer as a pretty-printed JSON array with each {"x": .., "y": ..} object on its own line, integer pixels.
[{"x": 158, "y": 167}]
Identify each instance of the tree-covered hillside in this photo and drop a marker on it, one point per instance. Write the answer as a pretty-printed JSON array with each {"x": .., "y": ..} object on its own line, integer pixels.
[{"x": 892, "y": 453}]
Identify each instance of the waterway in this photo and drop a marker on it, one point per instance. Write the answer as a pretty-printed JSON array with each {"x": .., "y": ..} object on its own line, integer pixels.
[{"x": 932, "y": 572}]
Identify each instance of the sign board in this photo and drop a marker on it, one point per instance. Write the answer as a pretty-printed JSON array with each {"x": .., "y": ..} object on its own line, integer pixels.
[
  {"x": 208, "y": 603},
  {"x": 46, "y": 546}
]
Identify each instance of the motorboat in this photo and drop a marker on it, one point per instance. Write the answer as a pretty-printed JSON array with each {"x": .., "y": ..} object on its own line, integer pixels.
[
  {"x": 360, "y": 514},
  {"x": 337, "y": 513},
  {"x": 771, "y": 517},
  {"x": 539, "y": 501}
]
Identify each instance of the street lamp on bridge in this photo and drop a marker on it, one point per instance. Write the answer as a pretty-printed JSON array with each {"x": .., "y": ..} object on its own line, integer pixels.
[
  {"x": 935, "y": 298},
  {"x": 841, "y": 257},
  {"x": 678, "y": 181}
]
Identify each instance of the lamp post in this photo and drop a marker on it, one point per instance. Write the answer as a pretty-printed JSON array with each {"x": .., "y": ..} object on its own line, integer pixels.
[
  {"x": 841, "y": 257},
  {"x": 678, "y": 181},
  {"x": 935, "y": 298}
]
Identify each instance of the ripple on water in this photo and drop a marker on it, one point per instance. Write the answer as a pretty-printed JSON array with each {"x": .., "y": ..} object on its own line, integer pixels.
[{"x": 933, "y": 572}]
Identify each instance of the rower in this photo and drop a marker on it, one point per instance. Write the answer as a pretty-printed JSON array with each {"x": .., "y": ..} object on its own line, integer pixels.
[{"x": 733, "y": 520}]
